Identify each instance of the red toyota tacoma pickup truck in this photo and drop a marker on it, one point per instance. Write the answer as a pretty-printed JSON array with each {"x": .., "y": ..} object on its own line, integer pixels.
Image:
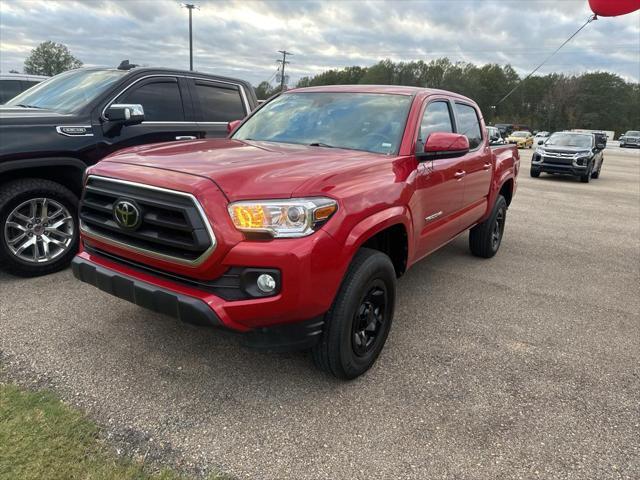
[{"x": 293, "y": 230}]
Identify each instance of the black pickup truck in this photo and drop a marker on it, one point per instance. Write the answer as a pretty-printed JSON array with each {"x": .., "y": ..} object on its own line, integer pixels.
[{"x": 52, "y": 132}]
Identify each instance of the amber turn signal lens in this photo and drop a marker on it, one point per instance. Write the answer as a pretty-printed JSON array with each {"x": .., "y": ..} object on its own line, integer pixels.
[
  {"x": 248, "y": 216},
  {"x": 323, "y": 213}
]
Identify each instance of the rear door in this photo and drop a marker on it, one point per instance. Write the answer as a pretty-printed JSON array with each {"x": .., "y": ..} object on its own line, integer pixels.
[
  {"x": 439, "y": 184},
  {"x": 167, "y": 112},
  {"x": 216, "y": 104},
  {"x": 478, "y": 165}
]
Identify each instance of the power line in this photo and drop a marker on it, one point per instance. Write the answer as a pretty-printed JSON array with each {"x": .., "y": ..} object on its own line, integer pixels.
[
  {"x": 283, "y": 62},
  {"x": 591, "y": 19}
]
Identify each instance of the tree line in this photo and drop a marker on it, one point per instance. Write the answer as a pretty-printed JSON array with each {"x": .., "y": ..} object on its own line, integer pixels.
[{"x": 598, "y": 100}]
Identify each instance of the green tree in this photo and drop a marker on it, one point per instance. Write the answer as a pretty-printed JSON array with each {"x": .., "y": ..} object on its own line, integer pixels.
[
  {"x": 50, "y": 58},
  {"x": 264, "y": 90}
]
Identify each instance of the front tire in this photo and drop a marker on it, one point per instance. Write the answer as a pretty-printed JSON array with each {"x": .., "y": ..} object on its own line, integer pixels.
[
  {"x": 587, "y": 176},
  {"x": 38, "y": 227},
  {"x": 535, "y": 173},
  {"x": 358, "y": 323},
  {"x": 596, "y": 174},
  {"x": 486, "y": 237}
]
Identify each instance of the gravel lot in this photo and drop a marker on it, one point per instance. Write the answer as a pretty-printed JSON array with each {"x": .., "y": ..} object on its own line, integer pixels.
[{"x": 523, "y": 366}]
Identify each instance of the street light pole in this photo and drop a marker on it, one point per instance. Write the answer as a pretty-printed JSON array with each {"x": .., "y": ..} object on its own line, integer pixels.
[{"x": 190, "y": 7}]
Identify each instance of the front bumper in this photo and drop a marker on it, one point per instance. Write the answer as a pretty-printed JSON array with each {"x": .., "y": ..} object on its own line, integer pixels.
[
  {"x": 143, "y": 294},
  {"x": 189, "y": 309},
  {"x": 560, "y": 168}
]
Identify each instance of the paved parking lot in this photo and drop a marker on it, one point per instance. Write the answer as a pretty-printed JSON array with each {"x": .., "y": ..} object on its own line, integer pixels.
[{"x": 523, "y": 366}]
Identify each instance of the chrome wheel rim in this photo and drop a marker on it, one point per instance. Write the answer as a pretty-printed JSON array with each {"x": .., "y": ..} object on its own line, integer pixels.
[{"x": 39, "y": 230}]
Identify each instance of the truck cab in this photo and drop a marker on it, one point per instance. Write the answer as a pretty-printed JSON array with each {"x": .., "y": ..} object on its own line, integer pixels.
[
  {"x": 52, "y": 132},
  {"x": 293, "y": 230}
]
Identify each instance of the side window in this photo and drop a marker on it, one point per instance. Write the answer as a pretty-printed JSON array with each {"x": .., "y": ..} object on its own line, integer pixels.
[
  {"x": 161, "y": 100},
  {"x": 27, "y": 84},
  {"x": 9, "y": 89},
  {"x": 469, "y": 124},
  {"x": 219, "y": 104},
  {"x": 436, "y": 118}
]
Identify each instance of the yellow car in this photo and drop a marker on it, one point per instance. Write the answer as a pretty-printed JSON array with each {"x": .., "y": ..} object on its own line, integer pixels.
[{"x": 522, "y": 139}]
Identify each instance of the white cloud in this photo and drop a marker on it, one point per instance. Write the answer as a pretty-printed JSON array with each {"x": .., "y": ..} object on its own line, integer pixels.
[{"x": 241, "y": 37}]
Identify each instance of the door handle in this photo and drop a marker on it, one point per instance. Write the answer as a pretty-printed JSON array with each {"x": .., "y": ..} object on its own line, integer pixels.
[
  {"x": 459, "y": 174},
  {"x": 185, "y": 137},
  {"x": 486, "y": 166}
]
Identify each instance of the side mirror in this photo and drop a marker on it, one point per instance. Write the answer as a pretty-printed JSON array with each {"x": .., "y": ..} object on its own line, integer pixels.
[
  {"x": 231, "y": 126},
  {"x": 444, "y": 145},
  {"x": 125, "y": 113},
  {"x": 540, "y": 142}
]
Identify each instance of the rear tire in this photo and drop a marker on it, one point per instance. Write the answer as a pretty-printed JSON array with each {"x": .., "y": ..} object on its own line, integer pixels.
[
  {"x": 486, "y": 237},
  {"x": 358, "y": 323},
  {"x": 20, "y": 223}
]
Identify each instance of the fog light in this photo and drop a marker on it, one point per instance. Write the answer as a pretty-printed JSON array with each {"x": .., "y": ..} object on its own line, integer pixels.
[{"x": 266, "y": 283}]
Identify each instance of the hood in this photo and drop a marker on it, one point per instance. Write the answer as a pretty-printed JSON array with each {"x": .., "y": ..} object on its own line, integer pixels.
[
  {"x": 563, "y": 149},
  {"x": 250, "y": 169},
  {"x": 29, "y": 116}
]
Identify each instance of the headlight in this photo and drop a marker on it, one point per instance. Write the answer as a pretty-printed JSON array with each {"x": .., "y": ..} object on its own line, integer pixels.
[{"x": 287, "y": 218}]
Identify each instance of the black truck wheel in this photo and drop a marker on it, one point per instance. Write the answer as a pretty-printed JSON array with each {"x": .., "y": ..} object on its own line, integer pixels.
[
  {"x": 485, "y": 238},
  {"x": 596, "y": 174},
  {"x": 535, "y": 172},
  {"x": 38, "y": 227},
  {"x": 357, "y": 325},
  {"x": 587, "y": 176}
]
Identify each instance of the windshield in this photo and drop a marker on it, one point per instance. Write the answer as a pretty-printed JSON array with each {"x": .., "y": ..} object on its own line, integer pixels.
[
  {"x": 570, "y": 140},
  {"x": 520, "y": 134},
  {"x": 68, "y": 91},
  {"x": 357, "y": 121},
  {"x": 633, "y": 133}
]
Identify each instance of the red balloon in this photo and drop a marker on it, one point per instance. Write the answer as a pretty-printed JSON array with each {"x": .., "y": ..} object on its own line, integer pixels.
[{"x": 613, "y": 8}]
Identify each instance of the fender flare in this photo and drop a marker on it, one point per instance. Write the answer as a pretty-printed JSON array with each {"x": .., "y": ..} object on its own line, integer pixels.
[
  {"x": 28, "y": 163},
  {"x": 370, "y": 226}
]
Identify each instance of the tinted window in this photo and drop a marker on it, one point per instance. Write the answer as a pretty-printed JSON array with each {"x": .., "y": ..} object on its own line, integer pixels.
[
  {"x": 468, "y": 124},
  {"x": 69, "y": 91},
  {"x": 9, "y": 89},
  {"x": 436, "y": 118},
  {"x": 219, "y": 104},
  {"x": 161, "y": 101}
]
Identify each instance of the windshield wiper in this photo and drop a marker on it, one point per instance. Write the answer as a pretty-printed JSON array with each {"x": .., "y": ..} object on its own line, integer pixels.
[
  {"x": 28, "y": 106},
  {"x": 320, "y": 144}
]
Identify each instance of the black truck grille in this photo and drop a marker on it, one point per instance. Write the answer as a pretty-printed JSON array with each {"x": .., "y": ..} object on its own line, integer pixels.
[{"x": 169, "y": 224}]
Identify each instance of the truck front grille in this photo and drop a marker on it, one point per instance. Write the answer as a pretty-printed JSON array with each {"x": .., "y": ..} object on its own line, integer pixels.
[{"x": 157, "y": 222}]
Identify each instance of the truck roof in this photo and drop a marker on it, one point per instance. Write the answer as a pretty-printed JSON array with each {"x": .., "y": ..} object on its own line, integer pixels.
[{"x": 389, "y": 89}]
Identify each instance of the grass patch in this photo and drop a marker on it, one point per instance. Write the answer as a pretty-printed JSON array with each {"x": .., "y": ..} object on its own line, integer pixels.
[{"x": 42, "y": 438}]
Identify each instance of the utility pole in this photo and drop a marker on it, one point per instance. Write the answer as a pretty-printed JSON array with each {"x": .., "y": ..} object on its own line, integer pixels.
[
  {"x": 190, "y": 7},
  {"x": 283, "y": 62}
]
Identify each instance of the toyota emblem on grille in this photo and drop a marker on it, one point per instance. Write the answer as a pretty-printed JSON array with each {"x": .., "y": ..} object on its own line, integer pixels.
[{"x": 127, "y": 214}]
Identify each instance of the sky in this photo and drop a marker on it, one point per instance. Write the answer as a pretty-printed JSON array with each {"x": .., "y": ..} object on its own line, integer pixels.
[{"x": 241, "y": 38}]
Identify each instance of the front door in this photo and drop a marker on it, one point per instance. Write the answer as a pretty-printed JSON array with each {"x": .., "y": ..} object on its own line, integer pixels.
[
  {"x": 439, "y": 186},
  {"x": 167, "y": 115}
]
